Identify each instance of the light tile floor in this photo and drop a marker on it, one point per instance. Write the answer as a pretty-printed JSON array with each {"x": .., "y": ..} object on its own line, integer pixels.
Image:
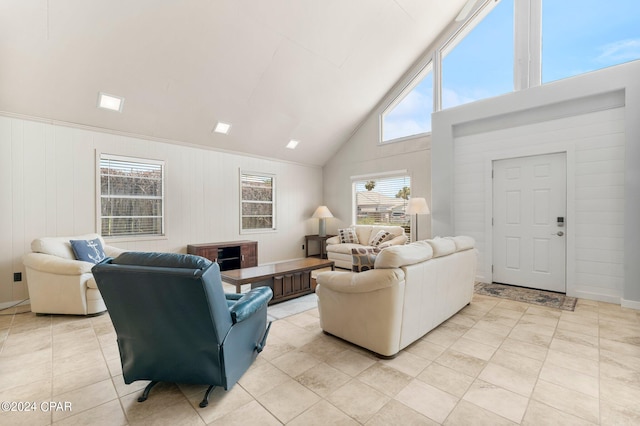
[{"x": 496, "y": 362}]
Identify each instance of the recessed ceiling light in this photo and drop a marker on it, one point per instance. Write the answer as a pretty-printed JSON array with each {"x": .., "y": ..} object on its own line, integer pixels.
[
  {"x": 222, "y": 128},
  {"x": 292, "y": 144},
  {"x": 110, "y": 102}
]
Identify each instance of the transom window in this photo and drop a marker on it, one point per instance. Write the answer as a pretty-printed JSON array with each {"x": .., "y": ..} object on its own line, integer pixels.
[
  {"x": 131, "y": 196},
  {"x": 579, "y": 36},
  {"x": 478, "y": 62},
  {"x": 507, "y": 43},
  {"x": 410, "y": 113},
  {"x": 257, "y": 202}
]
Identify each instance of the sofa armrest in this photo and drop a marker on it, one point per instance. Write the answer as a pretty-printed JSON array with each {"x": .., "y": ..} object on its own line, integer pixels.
[
  {"x": 360, "y": 282},
  {"x": 56, "y": 265},
  {"x": 250, "y": 303},
  {"x": 333, "y": 240}
]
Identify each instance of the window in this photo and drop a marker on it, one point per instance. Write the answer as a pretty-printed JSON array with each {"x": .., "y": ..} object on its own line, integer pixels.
[
  {"x": 478, "y": 62},
  {"x": 585, "y": 35},
  {"x": 382, "y": 201},
  {"x": 131, "y": 196},
  {"x": 410, "y": 113},
  {"x": 257, "y": 202}
]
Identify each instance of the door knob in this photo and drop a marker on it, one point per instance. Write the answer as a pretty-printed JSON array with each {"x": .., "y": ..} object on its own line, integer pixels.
[{"x": 560, "y": 234}]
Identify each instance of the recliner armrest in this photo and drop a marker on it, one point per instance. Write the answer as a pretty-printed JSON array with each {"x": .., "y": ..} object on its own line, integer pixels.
[{"x": 250, "y": 303}]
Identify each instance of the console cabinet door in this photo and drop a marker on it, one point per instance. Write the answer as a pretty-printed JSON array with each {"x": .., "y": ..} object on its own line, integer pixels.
[{"x": 249, "y": 253}]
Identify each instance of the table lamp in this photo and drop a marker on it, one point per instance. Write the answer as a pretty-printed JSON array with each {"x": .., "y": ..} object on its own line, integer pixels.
[{"x": 322, "y": 213}]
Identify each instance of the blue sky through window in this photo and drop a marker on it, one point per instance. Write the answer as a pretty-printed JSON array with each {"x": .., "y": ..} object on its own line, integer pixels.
[
  {"x": 578, "y": 36},
  {"x": 412, "y": 115},
  {"x": 481, "y": 65}
]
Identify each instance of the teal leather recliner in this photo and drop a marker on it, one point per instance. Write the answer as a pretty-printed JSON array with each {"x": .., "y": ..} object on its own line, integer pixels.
[{"x": 175, "y": 323}]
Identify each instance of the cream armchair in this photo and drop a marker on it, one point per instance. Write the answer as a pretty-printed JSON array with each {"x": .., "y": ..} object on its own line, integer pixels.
[
  {"x": 60, "y": 284},
  {"x": 340, "y": 253}
]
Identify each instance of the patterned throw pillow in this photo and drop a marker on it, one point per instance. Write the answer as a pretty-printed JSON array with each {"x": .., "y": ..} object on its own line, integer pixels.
[
  {"x": 88, "y": 250},
  {"x": 380, "y": 238},
  {"x": 363, "y": 258},
  {"x": 348, "y": 235}
]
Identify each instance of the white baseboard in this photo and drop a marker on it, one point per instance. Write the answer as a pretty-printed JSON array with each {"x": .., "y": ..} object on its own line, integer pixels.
[
  {"x": 5, "y": 305},
  {"x": 590, "y": 295},
  {"x": 632, "y": 304}
]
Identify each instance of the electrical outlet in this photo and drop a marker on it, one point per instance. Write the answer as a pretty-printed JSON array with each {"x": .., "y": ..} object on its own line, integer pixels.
[{"x": 17, "y": 277}]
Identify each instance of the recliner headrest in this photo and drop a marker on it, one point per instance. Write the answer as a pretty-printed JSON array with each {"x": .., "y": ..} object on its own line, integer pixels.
[{"x": 165, "y": 260}]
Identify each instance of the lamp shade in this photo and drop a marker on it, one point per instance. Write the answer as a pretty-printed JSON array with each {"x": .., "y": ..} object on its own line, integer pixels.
[
  {"x": 322, "y": 212},
  {"x": 417, "y": 206}
]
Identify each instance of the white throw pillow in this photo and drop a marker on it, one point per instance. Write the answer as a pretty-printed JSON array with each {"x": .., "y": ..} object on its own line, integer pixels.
[{"x": 380, "y": 238}]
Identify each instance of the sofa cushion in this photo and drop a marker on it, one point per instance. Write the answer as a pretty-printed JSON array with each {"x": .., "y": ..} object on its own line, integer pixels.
[
  {"x": 348, "y": 236},
  {"x": 463, "y": 242},
  {"x": 404, "y": 255},
  {"x": 380, "y": 238},
  {"x": 364, "y": 258},
  {"x": 343, "y": 248},
  {"x": 442, "y": 246},
  {"x": 88, "y": 250},
  {"x": 363, "y": 232}
]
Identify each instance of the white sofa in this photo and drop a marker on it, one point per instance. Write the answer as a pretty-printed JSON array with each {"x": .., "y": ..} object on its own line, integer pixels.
[
  {"x": 340, "y": 253},
  {"x": 413, "y": 289},
  {"x": 60, "y": 284}
]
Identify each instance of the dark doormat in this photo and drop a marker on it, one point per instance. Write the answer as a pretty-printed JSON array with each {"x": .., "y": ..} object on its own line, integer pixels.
[{"x": 527, "y": 295}]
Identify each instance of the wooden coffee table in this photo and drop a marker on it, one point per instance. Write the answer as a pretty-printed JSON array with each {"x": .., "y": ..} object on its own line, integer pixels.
[{"x": 287, "y": 279}]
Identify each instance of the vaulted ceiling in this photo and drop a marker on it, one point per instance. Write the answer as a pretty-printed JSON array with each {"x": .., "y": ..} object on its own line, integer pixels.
[{"x": 309, "y": 70}]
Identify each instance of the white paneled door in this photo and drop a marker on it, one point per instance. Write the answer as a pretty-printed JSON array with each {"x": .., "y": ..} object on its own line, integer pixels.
[{"x": 529, "y": 221}]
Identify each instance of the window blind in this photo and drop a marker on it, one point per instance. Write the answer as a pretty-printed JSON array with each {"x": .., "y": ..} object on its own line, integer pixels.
[{"x": 131, "y": 196}]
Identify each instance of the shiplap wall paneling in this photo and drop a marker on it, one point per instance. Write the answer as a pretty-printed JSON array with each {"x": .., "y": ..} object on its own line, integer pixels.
[
  {"x": 18, "y": 203},
  {"x": 35, "y": 200},
  {"x": 83, "y": 181},
  {"x": 48, "y": 188},
  {"x": 598, "y": 193},
  {"x": 63, "y": 166},
  {"x": 6, "y": 212}
]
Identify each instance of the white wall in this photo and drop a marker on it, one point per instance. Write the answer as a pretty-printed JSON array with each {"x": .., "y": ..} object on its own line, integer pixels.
[
  {"x": 593, "y": 118},
  {"x": 48, "y": 188},
  {"x": 362, "y": 155}
]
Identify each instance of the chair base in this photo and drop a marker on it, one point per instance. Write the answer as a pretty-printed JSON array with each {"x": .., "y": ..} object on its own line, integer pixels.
[
  {"x": 147, "y": 389},
  {"x": 145, "y": 393},
  {"x": 205, "y": 400}
]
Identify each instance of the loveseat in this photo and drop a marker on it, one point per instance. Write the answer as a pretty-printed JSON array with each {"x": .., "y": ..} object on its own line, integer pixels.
[
  {"x": 60, "y": 284},
  {"x": 411, "y": 290},
  {"x": 340, "y": 252}
]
